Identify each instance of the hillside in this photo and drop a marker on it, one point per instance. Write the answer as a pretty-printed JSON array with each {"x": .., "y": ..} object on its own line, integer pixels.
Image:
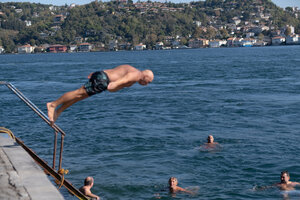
[{"x": 128, "y": 23}]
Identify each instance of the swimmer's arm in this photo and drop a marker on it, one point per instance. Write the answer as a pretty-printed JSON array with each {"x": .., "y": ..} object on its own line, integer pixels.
[
  {"x": 296, "y": 183},
  {"x": 89, "y": 194},
  {"x": 266, "y": 187},
  {"x": 185, "y": 190},
  {"x": 126, "y": 81}
]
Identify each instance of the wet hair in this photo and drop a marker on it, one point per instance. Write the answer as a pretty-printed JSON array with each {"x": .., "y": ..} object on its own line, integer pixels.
[
  {"x": 209, "y": 138},
  {"x": 170, "y": 179},
  {"x": 285, "y": 172},
  {"x": 88, "y": 181}
]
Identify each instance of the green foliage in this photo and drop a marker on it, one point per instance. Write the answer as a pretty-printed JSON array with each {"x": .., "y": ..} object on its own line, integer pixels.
[{"x": 100, "y": 22}]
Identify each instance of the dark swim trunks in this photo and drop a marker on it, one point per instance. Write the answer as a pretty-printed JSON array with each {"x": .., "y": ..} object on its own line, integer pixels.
[{"x": 97, "y": 83}]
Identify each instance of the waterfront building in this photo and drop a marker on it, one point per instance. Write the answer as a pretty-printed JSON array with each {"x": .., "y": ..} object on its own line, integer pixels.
[
  {"x": 230, "y": 42},
  {"x": 278, "y": 40},
  {"x": 260, "y": 43},
  {"x": 198, "y": 43},
  {"x": 217, "y": 43},
  {"x": 85, "y": 47},
  {"x": 124, "y": 46},
  {"x": 58, "y": 48},
  {"x": 237, "y": 42},
  {"x": 268, "y": 40},
  {"x": 292, "y": 39},
  {"x": 248, "y": 42},
  {"x": 1, "y": 50},
  {"x": 73, "y": 48},
  {"x": 139, "y": 47},
  {"x": 159, "y": 45},
  {"x": 175, "y": 44},
  {"x": 113, "y": 45},
  {"x": 25, "y": 49}
]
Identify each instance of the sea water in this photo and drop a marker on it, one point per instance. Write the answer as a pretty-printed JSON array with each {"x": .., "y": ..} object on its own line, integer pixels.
[{"x": 134, "y": 140}]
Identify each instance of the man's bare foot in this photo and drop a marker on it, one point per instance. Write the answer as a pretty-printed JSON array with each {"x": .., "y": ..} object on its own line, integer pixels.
[{"x": 51, "y": 113}]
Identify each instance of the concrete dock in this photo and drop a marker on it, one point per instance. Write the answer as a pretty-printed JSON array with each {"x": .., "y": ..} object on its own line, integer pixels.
[{"x": 20, "y": 177}]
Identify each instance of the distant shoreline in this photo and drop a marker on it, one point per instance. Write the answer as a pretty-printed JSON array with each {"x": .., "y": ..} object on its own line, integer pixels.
[{"x": 170, "y": 49}]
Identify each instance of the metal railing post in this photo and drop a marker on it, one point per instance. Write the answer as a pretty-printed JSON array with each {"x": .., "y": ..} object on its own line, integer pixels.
[
  {"x": 61, "y": 151},
  {"x": 54, "y": 150}
]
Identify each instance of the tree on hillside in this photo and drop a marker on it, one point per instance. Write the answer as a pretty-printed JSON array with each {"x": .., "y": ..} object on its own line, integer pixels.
[{"x": 287, "y": 31}]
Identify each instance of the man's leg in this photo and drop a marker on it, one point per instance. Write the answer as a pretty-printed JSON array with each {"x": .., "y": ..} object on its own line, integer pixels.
[{"x": 65, "y": 101}]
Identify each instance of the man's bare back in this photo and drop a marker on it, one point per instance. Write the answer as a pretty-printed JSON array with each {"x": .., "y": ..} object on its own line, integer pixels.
[
  {"x": 109, "y": 79},
  {"x": 123, "y": 76}
]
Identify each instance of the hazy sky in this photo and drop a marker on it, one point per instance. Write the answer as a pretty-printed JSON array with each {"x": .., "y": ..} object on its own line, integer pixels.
[{"x": 281, "y": 3}]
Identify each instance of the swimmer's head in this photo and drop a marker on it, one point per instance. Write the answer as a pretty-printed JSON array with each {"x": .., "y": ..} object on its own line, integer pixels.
[
  {"x": 173, "y": 181},
  {"x": 210, "y": 139},
  {"x": 285, "y": 177},
  {"x": 148, "y": 77},
  {"x": 88, "y": 181}
]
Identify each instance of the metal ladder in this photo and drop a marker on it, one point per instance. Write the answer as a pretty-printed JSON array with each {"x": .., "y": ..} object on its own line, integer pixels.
[{"x": 58, "y": 175}]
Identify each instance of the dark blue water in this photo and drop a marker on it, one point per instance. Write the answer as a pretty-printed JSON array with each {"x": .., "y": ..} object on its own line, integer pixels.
[{"x": 132, "y": 141}]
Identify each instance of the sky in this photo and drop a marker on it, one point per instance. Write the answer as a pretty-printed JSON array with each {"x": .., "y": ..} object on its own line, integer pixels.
[{"x": 280, "y": 3}]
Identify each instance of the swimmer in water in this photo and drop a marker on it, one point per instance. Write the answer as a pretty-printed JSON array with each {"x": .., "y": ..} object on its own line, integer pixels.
[
  {"x": 86, "y": 189},
  {"x": 210, "y": 143},
  {"x": 112, "y": 80},
  {"x": 173, "y": 188},
  {"x": 285, "y": 183},
  {"x": 210, "y": 140}
]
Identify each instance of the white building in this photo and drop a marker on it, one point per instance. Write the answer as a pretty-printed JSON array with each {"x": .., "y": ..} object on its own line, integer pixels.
[
  {"x": 18, "y": 10},
  {"x": 113, "y": 45},
  {"x": 237, "y": 42},
  {"x": 278, "y": 40},
  {"x": 292, "y": 29},
  {"x": 159, "y": 45},
  {"x": 140, "y": 47},
  {"x": 73, "y": 5},
  {"x": 292, "y": 39},
  {"x": 28, "y": 23},
  {"x": 217, "y": 43},
  {"x": 85, "y": 47},
  {"x": 198, "y": 23},
  {"x": 198, "y": 43},
  {"x": 25, "y": 49},
  {"x": 250, "y": 34},
  {"x": 248, "y": 42},
  {"x": 73, "y": 48},
  {"x": 1, "y": 50}
]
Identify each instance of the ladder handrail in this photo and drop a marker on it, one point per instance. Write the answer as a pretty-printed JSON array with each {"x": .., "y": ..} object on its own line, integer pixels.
[
  {"x": 32, "y": 106},
  {"x": 57, "y": 175}
]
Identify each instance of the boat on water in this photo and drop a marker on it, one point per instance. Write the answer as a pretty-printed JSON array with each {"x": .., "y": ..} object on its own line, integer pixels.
[{"x": 247, "y": 44}]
